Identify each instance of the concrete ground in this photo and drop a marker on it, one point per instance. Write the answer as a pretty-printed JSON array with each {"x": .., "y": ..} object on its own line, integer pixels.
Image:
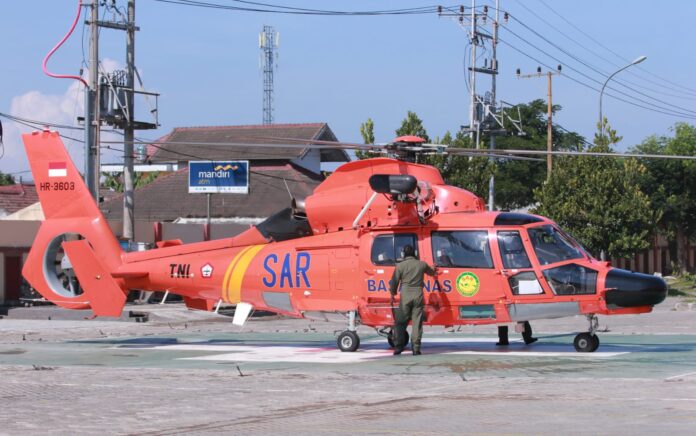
[{"x": 188, "y": 372}]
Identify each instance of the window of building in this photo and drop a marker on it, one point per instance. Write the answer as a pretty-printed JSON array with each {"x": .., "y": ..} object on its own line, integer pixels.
[
  {"x": 512, "y": 250},
  {"x": 389, "y": 249},
  {"x": 462, "y": 249}
]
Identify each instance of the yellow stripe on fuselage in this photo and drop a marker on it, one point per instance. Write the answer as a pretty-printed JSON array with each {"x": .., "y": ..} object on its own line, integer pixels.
[
  {"x": 228, "y": 273},
  {"x": 234, "y": 286}
]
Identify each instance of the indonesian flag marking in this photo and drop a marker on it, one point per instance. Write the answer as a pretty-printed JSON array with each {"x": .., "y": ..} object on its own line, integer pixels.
[{"x": 57, "y": 169}]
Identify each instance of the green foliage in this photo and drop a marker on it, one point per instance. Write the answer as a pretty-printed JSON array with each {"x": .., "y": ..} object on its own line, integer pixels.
[
  {"x": 609, "y": 137},
  {"x": 6, "y": 179},
  {"x": 470, "y": 173},
  {"x": 600, "y": 202},
  {"x": 412, "y": 125},
  {"x": 367, "y": 130},
  {"x": 516, "y": 180},
  {"x": 671, "y": 185},
  {"x": 114, "y": 181}
]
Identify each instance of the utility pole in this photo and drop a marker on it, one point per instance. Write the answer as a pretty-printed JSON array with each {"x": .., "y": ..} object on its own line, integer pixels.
[
  {"x": 494, "y": 67},
  {"x": 473, "y": 122},
  {"x": 129, "y": 129},
  {"x": 268, "y": 42},
  {"x": 485, "y": 116},
  {"x": 549, "y": 112},
  {"x": 116, "y": 104},
  {"x": 92, "y": 108}
]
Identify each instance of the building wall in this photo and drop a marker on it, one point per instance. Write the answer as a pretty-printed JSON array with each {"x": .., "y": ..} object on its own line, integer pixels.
[
  {"x": 2, "y": 278},
  {"x": 310, "y": 161}
]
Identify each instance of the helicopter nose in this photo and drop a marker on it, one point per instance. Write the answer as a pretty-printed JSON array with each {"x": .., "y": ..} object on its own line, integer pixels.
[{"x": 630, "y": 289}]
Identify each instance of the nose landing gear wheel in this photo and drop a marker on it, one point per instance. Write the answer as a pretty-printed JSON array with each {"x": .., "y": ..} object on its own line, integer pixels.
[
  {"x": 348, "y": 341},
  {"x": 391, "y": 338},
  {"x": 586, "y": 342}
]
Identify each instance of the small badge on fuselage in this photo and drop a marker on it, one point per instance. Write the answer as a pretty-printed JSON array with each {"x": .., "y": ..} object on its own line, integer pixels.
[{"x": 207, "y": 271}]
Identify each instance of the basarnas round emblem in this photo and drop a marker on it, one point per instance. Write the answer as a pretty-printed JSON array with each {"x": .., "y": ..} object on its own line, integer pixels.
[{"x": 468, "y": 284}]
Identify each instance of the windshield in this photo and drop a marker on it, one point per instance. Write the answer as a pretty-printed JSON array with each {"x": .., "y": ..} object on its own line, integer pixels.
[{"x": 551, "y": 246}]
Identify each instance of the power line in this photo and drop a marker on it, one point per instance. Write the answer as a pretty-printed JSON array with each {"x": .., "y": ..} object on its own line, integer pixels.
[
  {"x": 580, "y": 82},
  {"x": 42, "y": 123},
  {"x": 691, "y": 90},
  {"x": 280, "y": 9},
  {"x": 610, "y": 61},
  {"x": 593, "y": 68},
  {"x": 664, "y": 110}
]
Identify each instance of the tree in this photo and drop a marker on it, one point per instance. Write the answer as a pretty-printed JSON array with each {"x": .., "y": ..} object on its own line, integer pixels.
[
  {"x": 470, "y": 173},
  {"x": 609, "y": 137},
  {"x": 599, "y": 200},
  {"x": 412, "y": 125},
  {"x": 671, "y": 186},
  {"x": 367, "y": 130},
  {"x": 114, "y": 181},
  {"x": 516, "y": 180},
  {"x": 6, "y": 179}
]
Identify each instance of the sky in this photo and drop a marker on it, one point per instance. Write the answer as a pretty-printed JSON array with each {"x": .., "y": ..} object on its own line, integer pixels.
[{"x": 205, "y": 63}]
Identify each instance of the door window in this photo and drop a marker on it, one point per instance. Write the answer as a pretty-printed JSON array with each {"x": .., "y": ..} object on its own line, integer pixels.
[
  {"x": 462, "y": 249},
  {"x": 389, "y": 249},
  {"x": 512, "y": 250}
]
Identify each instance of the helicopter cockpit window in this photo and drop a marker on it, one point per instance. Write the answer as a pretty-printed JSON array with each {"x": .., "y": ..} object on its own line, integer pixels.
[
  {"x": 512, "y": 250},
  {"x": 552, "y": 246},
  {"x": 389, "y": 249},
  {"x": 464, "y": 249},
  {"x": 572, "y": 280}
]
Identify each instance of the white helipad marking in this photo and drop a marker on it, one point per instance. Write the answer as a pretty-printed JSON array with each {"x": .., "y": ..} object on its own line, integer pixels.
[
  {"x": 681, "y": 375},
  {"x": 247, "y": 353},
  {"x": 293, "y": 354},
  {"x": 596, "y": 354},
  {"x": 490, "y": 340}
]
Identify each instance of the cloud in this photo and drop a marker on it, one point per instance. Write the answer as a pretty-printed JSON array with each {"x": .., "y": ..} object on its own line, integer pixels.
[{"x": 51, "y": 108}]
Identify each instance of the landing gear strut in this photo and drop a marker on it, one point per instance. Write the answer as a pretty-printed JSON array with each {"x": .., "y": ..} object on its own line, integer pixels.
[
  {"x": 588, "y": 342},
  {"x": 349, "y": 339}
]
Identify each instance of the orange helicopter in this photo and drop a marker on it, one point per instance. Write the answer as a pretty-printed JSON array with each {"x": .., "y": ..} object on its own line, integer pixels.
[{"x": 335, "y": 252}]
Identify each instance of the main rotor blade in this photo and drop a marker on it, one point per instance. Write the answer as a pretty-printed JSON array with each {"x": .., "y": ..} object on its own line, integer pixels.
[
  {"x": 586, "y": 153},
  {"x": 321, "y": 144},
  {"x": 337, "y": 145},
  {"x": 489, "y": 153}
]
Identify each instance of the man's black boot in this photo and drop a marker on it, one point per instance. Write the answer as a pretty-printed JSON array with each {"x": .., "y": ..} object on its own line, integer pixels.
[
  {"x": 398, "y": 350},
  {"x": 502, "y": 335},
  {"x": 527, "y": 334}
]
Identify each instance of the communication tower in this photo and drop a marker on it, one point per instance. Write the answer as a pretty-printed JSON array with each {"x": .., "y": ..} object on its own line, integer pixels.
[{"x": 268, "y": 43}]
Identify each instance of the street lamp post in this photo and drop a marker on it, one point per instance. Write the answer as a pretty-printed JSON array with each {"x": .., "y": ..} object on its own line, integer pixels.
[{"x": 601, "y": 119}]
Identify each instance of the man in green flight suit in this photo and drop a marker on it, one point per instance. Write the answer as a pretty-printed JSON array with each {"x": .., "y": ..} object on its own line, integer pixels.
[{"x": 409, "y": 273}]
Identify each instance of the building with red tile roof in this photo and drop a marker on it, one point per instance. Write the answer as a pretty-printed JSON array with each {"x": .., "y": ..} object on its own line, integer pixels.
[
  {"x": 277, "y": 164},
  {"x": 16, "y": 197}
]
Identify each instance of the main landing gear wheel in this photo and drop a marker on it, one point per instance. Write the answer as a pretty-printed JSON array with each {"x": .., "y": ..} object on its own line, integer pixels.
[
  {"x": 348, "y": 341},
  {"x": 391, "y": 338},
  {"x": 586, "y": 342}
]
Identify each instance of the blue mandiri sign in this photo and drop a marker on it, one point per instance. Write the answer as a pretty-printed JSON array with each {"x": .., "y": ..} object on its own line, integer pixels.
[{"x": 219, "y": 177}]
